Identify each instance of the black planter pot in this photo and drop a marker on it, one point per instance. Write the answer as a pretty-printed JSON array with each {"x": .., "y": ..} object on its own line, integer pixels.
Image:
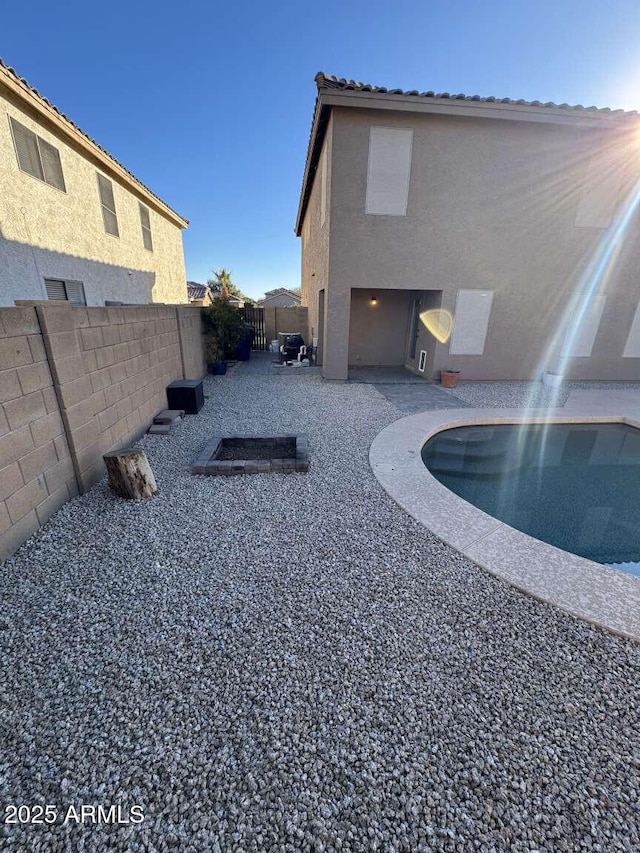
[
  {"x": 219, "y": 368},
  {"x": 243, "y": 351}
]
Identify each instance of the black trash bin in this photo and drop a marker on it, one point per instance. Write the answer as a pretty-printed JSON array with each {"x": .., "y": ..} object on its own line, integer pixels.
[{"x": 243, "y": 352}]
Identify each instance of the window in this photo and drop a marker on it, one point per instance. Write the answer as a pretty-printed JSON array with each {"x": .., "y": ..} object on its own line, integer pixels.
[
  {"x": 389, "y": 170},
  {"x": 145, "y": 221},
  {"x": 471, "y": 322},
  {"x": 107, "y": 201},
  {"x": 71, "y": 291},
  {"x": 323, "y": 187},
  {"x": 599, "y": 194},
  {"x": 37, "y": 157}
]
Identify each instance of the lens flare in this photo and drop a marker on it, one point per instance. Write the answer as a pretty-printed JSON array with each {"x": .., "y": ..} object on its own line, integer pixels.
[
  {"x": 439, "y": 322},
  {"x": 590, "y": 289}
]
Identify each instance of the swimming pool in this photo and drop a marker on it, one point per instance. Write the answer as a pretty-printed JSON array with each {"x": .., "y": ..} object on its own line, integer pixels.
[
  {"x": 573, "y": 485},
  {"x": 598, "y": 593}
]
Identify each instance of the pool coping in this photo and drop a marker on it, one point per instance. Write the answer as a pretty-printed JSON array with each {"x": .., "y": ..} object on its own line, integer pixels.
[{"x": 598, "y": 594}]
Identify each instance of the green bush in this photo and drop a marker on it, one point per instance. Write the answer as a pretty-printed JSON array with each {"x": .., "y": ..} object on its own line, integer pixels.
[{"x": 223, "y": 330}]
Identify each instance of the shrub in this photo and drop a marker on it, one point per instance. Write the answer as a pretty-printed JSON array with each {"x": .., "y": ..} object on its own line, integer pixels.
[{"x": 223, "y": 330}]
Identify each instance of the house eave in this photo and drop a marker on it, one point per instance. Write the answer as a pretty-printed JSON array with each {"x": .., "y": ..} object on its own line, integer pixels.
[
  {"x": 329, "y": 98},
  {"x": 579, "y": 117},
  {"x": 318, "y": 129}
]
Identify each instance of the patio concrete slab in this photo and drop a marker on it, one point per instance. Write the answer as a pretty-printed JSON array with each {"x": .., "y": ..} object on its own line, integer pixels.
[
  {"x": 412, "y": 398},
  {"x": 396, "y": 375},
  {"x": 594, "y": 400},
  {"x": 406, "y": 390}
]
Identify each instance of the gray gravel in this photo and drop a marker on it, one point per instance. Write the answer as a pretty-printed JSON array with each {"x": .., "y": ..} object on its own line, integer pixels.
[{"x": 291, "y": 663}]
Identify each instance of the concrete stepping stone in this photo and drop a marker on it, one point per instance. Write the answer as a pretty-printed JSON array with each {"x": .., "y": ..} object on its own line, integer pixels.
[
  {"x": 169, "y": 416},
  {"x": 159, "y": 429}
]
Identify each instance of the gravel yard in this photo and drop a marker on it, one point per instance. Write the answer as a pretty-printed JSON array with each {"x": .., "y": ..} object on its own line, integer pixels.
[{"x": 289, "y": 662}]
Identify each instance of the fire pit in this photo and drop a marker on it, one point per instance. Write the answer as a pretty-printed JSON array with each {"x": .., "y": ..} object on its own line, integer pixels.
[{"x": 250, "y": 454}]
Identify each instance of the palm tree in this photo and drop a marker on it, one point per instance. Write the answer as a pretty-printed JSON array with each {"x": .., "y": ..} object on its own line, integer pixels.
[{"x": 222, "y": 283}]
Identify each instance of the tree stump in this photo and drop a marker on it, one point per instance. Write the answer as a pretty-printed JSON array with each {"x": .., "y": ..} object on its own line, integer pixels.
[{"x": 130, "y": 475}]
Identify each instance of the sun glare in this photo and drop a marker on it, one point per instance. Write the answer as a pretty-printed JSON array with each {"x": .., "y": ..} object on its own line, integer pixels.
[{"x": 439, "y": 322}]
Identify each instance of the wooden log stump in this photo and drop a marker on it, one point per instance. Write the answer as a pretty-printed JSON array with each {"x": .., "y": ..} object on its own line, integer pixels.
[{"x": 130, "y": 475}]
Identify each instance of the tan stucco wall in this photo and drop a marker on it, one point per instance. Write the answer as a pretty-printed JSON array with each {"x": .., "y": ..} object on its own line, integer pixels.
[
  {"x": 378, "y": 333},
  {"x": 68, "y": 231},
  {"x": 286, "y": 319},
  {"x": 315, "y": 243},
  {"x": 492, "y": 205}
]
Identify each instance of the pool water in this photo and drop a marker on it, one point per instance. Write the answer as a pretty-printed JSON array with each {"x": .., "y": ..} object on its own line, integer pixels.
[{"x": 575, "y": 486}]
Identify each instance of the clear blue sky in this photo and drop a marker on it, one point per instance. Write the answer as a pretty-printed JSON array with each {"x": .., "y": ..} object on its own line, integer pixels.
[{"x": 210, "y": 103}]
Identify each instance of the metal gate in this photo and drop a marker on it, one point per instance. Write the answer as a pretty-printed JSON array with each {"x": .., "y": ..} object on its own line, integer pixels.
[{"x": 254, "y": 315}]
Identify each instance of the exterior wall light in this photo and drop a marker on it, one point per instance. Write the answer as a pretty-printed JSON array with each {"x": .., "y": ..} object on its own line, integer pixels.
[{"x": 373, "y": 301}]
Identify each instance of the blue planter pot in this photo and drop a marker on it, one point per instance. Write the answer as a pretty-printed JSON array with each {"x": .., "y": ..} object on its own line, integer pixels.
[{"x": 243, "y": 352}]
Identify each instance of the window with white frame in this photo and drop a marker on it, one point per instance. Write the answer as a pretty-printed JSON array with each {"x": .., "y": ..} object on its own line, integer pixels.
[
  {"x": 470, "y": 321},
  {"x": 389, "y": 170},
  {"x": 36, "y": 156},
  {"x": 324, "y": 178}
]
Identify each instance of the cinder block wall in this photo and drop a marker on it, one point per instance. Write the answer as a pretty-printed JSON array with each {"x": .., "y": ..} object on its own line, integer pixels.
[
  {"x": 75, "y": 383},
  {"x": 189, "y": 330},
  {"x": 36, "y": 471},
  {"x": 289, "y": 319}
]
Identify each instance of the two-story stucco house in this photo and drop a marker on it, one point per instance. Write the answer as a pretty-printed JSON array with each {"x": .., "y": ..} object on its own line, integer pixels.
[
  {"x": 497, "y": 237},
  {"x": 74, "y": 223}
]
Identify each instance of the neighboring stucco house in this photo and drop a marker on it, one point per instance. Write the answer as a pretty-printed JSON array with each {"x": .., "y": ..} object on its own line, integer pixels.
[
  {"x": 74, "y": 223},
  {"x": 199, "y": 294},
  {"x": 517, "y": 220},
  {"x": 236, "y": 301},
  {"x": 281, "y": 297},
  {"x": 204, "y": 294}
]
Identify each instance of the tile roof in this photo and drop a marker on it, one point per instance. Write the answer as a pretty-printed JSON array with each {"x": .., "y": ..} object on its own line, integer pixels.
[
  {"x": 328, "y": 81},
  {"x": 26, "y": 86},
  {"x": 279, "y": 291},
  {"x": 195, "y": 290}
]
